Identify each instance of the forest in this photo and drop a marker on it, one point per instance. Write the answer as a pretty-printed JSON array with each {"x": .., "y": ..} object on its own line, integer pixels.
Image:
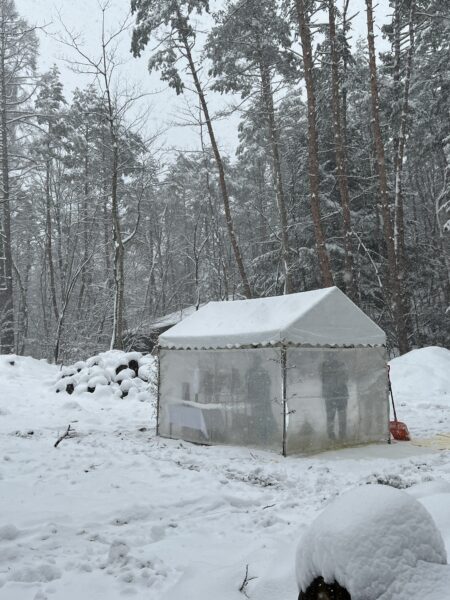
[{"x": 340, "y": 176}]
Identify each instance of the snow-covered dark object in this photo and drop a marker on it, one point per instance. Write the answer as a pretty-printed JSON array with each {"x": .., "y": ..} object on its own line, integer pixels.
[
  {"x": 371, "y": 541},
  {"x": 125, "y": 373},
  {"x": 296, "y": 373}
]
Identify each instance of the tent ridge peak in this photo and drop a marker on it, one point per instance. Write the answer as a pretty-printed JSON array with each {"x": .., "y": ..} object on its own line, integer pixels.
[{"x": 318, "y": 317}]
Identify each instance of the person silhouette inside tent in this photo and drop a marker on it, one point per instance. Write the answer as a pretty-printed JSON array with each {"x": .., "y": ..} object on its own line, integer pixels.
[
  {"x": 262, "y": 426},
  {"x": 335, "y": 393}
]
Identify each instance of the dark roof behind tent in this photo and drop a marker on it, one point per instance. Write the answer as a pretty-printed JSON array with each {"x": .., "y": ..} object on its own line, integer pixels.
[
  {"x": 171, "y": 319},
  {"x": 145, "y": 337},
  {"x": 325, "y": 317}
]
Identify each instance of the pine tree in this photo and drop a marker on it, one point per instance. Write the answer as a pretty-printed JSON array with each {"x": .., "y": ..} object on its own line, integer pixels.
[
  {"x": 248, "y": 46},
  {"x": 179, "y": 41}
]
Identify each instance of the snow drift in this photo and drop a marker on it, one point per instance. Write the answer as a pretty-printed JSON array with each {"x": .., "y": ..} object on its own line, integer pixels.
[
  {"x": 421, "y": 387},
  {"x": 421, "y": 376}
]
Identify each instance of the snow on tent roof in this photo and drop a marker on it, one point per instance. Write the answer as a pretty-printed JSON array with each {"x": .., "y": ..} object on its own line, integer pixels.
[{"x": 321, "y": 318}]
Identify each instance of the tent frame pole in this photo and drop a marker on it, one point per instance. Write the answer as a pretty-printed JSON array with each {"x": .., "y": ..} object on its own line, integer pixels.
[
  {"x": 158, "y": 388},
  {"x": 284, "y": 398}
]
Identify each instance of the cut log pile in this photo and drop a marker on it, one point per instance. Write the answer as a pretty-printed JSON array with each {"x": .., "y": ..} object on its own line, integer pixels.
[{"x": 126, "y": 373}]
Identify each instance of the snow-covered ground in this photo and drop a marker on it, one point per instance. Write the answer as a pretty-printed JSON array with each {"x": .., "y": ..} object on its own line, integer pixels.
[{"x": 115, "y": 512}]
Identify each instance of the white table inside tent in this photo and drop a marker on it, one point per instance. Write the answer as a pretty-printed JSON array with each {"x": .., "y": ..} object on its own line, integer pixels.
[{"x": 203, "y": 418}]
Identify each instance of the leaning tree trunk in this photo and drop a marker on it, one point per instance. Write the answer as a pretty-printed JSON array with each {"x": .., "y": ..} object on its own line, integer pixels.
[
  {"x": 313, "y": 149},
  {"x": 394, "y": 286},
  {"x": 267, "y": 96},
  {"x": 341, "y": 157},
  {"x": 219, "y": 162}
]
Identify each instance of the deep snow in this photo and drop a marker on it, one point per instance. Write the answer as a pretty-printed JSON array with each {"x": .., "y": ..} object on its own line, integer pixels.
[{"x": 116, "y": 512}]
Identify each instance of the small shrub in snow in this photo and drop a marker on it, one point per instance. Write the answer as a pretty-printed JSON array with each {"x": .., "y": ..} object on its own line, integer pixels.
[
  {"x": 393, "y": 480},
  {"x": 125, "y": 373}
]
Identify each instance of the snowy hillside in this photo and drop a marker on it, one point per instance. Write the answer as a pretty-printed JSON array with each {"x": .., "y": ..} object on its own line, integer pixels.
[{"x": 115, "y": 512}]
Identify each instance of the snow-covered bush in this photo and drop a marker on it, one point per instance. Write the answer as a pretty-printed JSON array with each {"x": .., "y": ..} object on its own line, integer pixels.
[
  {"x": 125, "y": 373},
  {"x": 370, "y": 541}
]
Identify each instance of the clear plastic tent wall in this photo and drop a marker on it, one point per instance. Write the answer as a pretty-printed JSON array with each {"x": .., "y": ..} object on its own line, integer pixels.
[
  {"x": 222, "y": 397},
  {"x": 287, "y": 399},
  {"x": 335, "y": 397}
]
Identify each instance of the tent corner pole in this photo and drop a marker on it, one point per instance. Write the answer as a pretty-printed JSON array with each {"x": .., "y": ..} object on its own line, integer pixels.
[
  {"x": 284, "y": 398},
  {"x": 158, "y": 387}
]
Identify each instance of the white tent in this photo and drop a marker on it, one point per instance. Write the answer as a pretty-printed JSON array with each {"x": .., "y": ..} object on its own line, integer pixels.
[
  {"x": 320, "y": 317},
  {"x": 296, "y": 373}
]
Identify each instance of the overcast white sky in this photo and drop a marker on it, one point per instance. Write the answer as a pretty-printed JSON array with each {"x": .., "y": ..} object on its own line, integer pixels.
[{"x": 84, "y": 17}]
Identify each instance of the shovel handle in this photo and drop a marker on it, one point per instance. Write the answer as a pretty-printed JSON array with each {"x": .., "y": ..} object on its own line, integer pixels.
[{"x": 391, "y": 394}]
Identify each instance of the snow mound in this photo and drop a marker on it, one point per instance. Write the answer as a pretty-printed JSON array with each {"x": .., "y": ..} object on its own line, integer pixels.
[
  {"x": 124, "y": 373},
  {"x": 368, "y": 539},
  {"x": 421, "y": 376}
]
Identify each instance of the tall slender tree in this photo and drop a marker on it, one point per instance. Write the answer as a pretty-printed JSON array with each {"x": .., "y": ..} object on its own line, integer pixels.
[
  {"x": 248, "y": 47},
  {"x": 18, "y": 46},
  {"x": 394, "y": 286},
  {"x": 341, "y": 152},
  {"x": 178, "y": 42},
  {"x": 303, "y": 18}
]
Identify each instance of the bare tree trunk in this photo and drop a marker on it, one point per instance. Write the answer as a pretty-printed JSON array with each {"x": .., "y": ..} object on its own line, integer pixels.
[
  {"x": 341, "y": 157},
  {"x": 267, "y": 96},
  {"x": 48, "y": 233},
  {"x": 219, "y": 162},
  {"x": 65, "y": 303},
  {"x": 22, "y": 314},
  {"x": 394, "y": 288},
  {"x": 313, "y": 150},
  {"x": 119, "y": 283},
  {"x": 399, "y": 226},
  {"x": 119, "y": 250},
  {"x": 84, "y": 216},
  {"x": 344, "y": 72},
  {"x": 6, "y": 281},
  {"x": 23, "y": 319},
  {"x": 106, "y": 216}
]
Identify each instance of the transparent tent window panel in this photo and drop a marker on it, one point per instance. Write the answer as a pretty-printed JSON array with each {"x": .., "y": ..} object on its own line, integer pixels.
[
  {"x": 335, "y": 397},
  {"x": 222, "y": 397}
]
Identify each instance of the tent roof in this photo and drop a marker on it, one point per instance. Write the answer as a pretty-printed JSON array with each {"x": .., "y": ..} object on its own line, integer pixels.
[{"x": 323, "y": 317}]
